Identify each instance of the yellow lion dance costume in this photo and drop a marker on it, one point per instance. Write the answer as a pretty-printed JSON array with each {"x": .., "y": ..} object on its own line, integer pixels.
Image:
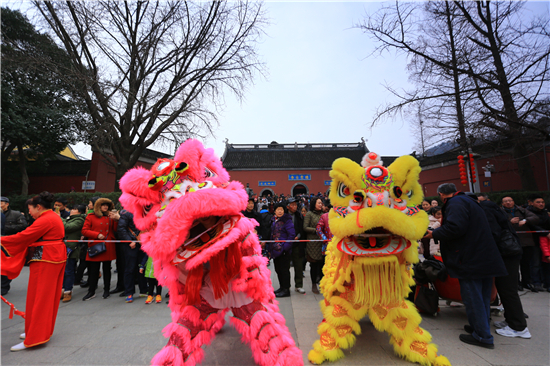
[{"x": 376, "y": 225}]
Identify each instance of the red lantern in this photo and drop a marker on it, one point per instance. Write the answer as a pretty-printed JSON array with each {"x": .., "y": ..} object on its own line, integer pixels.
[
  {"x": 474, "y": 180},
  {"x": 460, "y": 157}
]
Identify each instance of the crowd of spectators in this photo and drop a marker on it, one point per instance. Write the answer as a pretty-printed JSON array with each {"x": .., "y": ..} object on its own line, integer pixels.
[{"x": 293, "y": 231}]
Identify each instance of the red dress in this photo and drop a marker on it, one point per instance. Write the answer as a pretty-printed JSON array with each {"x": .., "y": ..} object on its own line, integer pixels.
[
  {"x": 93, "y": 226},
  {"x": 48, "y": 254}
]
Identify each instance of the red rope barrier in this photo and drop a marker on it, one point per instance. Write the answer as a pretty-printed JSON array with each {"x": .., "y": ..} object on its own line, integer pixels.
[{"x": 13, "y": 309}]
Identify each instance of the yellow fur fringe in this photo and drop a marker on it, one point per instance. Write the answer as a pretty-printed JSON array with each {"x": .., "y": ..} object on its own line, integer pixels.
[{"x": 378, "y": 282}]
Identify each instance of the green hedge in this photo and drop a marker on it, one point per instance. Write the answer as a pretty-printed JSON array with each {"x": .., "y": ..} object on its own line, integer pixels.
[
  {"x": 18, "y": 202},
  {"x": 520, "y": 197}
]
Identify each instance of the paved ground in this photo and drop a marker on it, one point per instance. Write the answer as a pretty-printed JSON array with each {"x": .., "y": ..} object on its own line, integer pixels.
[{"x": 111, "y": 332}]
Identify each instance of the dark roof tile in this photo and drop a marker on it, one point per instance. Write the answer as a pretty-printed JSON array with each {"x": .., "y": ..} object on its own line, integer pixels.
[{"x": 292, "y": 156}]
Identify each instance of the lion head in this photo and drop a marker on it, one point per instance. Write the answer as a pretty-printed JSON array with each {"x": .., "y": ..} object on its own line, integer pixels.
[
  {"x": 376, "y": 223},
  {"x": 186, "y": 208}
]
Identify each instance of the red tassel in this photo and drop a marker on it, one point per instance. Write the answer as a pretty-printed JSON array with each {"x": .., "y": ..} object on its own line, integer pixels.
[
  {"x": 193, "y": 285},
  {"x": 223, "y": 267}
]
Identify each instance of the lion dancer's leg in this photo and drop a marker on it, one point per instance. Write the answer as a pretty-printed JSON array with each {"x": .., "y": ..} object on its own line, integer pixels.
[
  {"x": 190, "y": 329},
  {"x": 410, "y": 341},
  {"x": 341, "y": 318},
  {"x": 264, "y": 328}
]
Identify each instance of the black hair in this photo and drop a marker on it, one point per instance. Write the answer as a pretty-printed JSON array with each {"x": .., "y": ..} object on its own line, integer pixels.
[
  {"x": 534, "y": 196},
  {"x": 44, "y": 199},
  {"x": 280, "y": 204},
  {"x": 61, "y": 200},
  {"x": 93, "y": 199},
  {"x": 434, "y": 210},
  {"x": 483, "y": 194},
  {"x": 426, "y": 200},
  {"x": 264, "y": 207},
  {"x": 314, "y": 202},
  {"x": 81, "y": 208}
]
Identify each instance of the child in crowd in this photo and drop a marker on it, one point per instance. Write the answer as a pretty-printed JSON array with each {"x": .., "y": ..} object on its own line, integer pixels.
[{"x": 146, "y": 267}]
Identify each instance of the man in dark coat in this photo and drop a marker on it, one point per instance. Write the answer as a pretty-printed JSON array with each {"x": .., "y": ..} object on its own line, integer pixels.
[
  {"x": 471, "y": 255},
  {"x": 298, "y": 249},
  {"x": 133, "y": 255},
  {"x": 524, "y": 220},
  {"x": 537, "y": 207},
  {"x": 515, "y": 324}
]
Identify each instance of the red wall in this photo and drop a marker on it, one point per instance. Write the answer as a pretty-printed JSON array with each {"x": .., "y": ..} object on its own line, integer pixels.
[
  {"x": 283, "y": 185},
  {"x": 55, "y": 184},
  {"x": 504, "y": 178},
  {"x": 104, "y": 174}
]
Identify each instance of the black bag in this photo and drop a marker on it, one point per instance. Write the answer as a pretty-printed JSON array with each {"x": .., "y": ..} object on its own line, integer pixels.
[
  {"x": 427, "y": 300},
  {"x": 508, "y": 244},
  {"x": 97, "y": 249},
  {"x": 430, "y": 270}
]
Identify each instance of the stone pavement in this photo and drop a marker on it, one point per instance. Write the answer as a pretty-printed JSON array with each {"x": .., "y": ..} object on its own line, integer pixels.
[{"x": 111, "y": 332}]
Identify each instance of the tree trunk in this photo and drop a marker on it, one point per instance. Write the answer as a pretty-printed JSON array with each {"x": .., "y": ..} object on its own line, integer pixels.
[
  {"x": 5, "y": 158},
  {"x": 23, "y": 170},
  {"x": 525, "y": 170}
]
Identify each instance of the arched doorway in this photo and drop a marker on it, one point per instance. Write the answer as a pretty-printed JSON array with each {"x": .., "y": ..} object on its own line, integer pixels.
[
  {"x": 299, "y": 188},
  {"x": 267, "y": 191}
]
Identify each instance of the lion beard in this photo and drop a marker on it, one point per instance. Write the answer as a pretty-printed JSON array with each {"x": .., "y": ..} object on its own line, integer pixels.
[{"x": 376, "y": 281}]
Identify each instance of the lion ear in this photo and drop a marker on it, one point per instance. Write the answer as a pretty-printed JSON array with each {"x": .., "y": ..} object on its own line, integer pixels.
[{"x": 405, "y": 172}]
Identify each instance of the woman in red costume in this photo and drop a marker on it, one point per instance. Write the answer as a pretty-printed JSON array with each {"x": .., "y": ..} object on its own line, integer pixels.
[{"x": 47, "y": 254}]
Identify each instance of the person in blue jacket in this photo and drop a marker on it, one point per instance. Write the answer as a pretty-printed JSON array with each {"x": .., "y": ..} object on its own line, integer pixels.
[{"x": 471, "y": 255}]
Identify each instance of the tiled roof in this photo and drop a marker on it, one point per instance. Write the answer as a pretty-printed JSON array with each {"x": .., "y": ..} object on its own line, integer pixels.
[{"x": 276, "y": 156}]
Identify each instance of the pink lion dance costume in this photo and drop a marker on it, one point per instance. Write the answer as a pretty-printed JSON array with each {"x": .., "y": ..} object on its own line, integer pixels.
[{"x": 205, "y": 251}]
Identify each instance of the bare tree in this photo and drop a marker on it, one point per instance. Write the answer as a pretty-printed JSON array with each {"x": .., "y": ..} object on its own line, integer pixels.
[
  {"x": 155, "y": 70},
  {"x": 481, "y": 59}
]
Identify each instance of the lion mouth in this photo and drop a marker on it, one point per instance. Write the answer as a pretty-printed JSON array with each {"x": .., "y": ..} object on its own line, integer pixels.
[
  {"x": 376, "y": 242},
  {"x": 204, "y": 233}
]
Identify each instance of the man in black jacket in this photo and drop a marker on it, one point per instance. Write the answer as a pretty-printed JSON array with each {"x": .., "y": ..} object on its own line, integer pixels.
[
  {"x": 15, "y": 222},
  {"x": 298, "y": 249},
  {"x": 515, "y": 324},
  {"x": 537, "y": 207},
  {"x": 132, "y": 255},
  {"x": 471, "y": 255},
  {"x": 524, "y": 220}
]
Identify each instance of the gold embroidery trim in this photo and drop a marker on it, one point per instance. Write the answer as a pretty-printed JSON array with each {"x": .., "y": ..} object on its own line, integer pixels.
[
  {"x": 328, "y": 342},
  {"x": 400, "y": 323},
  {"x": 343, "y": 330},
  {"x": 339, "y": 311},
  {"x": 420, "y": 347}
]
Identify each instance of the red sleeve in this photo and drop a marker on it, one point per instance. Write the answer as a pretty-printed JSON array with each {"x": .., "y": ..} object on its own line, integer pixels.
[
  {"x": 545, "y": 246},
  {"x": 87, "y": 228},
  {"x": 14, "y": 247},
  {"x": 19, "y": 242}
]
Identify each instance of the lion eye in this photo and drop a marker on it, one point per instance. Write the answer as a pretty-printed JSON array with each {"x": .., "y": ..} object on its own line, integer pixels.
[
  {"x": 397, "y": 191},
  {"x": 343, "y": 191},
  {"x": 147, "y": 208},
  {"x": 410, "y": 193},
  {"x": 208, "y": 173}
]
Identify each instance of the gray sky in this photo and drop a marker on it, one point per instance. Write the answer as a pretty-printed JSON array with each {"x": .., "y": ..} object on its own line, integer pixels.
[{"x": 320, "y": 86}]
